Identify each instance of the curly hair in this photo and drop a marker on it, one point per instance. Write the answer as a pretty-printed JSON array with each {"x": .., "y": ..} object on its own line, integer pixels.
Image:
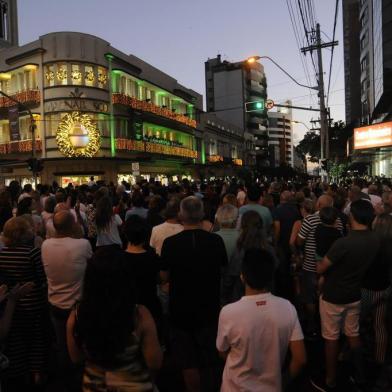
[
  {"x": 18, "y": 232},
  {"x": 106, "y": 312}
]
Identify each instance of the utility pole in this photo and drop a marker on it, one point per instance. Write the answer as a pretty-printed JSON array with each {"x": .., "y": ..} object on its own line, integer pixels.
[
  {"x": 324, "y": 134},
  {"x": 323, "y": 118}
]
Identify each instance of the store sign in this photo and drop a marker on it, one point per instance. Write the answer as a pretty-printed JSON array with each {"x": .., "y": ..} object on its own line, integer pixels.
[
  {"x": 378, "y": 135},
  {"x": 13, "y": 117},
  {"x": 77, "y": 136}
]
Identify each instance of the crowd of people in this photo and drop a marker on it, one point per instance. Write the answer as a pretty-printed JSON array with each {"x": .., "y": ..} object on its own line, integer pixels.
[{"x": 268, "y": 286}]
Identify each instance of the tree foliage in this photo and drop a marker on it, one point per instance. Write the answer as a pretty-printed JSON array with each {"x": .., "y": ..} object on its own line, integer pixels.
[{"x": 338, "y": 136}]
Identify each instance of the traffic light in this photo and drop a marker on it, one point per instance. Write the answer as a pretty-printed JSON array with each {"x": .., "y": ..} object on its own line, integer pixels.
[
  {"x": 35, "y": 165},
  {"x": 255, "y": 106}
]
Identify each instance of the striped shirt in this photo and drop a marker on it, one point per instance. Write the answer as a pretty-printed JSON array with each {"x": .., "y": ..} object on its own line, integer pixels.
[
  {"x": 28, "y": 341},
  {"x": 307, "y": 233}
]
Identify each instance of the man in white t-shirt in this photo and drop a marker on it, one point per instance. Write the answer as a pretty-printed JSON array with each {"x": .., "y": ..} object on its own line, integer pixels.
[
  {"x": 65, "y": 260},
  {"x": 167, "y": 229},
  {"x": 255, "y": 332},
  {"x": 241, "y": 195}
]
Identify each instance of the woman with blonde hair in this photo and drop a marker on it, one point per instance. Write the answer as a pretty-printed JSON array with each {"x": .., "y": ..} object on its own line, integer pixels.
[{"x": 28, "y": 340}]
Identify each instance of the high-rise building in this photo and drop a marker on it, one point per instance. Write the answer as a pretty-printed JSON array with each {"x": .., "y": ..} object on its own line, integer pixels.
[
  {"x": 352, "y": 69},
  {"x": 373, "y": 143},
  {"x": 280, "y": 136},
  {"x": 228, "y": 87},
  {"x": 8, "y": 23},
  {"x": 368, "y": 45}
]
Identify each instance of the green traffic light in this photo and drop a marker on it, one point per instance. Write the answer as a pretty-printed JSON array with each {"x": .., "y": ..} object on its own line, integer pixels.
[{"x": 259, "y": 105}]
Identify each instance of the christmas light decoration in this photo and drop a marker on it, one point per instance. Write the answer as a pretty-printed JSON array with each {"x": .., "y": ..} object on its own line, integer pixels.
[
  {"x": 150, "y": 107},
  {"x": 77, "y": 136},
  {"x": 61, "y": 74}
]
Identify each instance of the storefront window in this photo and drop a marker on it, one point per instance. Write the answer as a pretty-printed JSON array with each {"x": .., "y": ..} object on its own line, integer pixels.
[{"x": 77, "y": 180}]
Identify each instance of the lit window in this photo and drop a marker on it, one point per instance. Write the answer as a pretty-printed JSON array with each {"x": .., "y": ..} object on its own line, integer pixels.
[
  {"x": 89, "y": 75},
  {"x": 62, "y": 74},
  {"x": 102, "y": 77},
  {"x": 49, "y": 75},
  {"x": 141, "y": 93},
  {"x": 76, "y": 75}
]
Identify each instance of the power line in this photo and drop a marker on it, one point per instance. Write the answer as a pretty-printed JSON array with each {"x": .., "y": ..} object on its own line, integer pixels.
[
  {"x": 332, "y": 52},
  {"x": 306, "y": 30},
  {"x": 297, "y": 38}
]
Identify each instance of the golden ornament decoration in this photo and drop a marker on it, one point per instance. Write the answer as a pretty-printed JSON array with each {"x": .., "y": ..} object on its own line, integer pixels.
[
  {"x": 89, "y": 75},
  {"x": 49, "y": 76},
  {"x": 61, "y": 74},
  {"x": 77, "y": 136}
]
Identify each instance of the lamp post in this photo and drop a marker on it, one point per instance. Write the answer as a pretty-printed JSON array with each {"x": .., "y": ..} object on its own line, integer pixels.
[
  {"x": 32, "y": 130},
  {"x": 302, "y": 123},
  {"x": 324, "y": 139},
  {"x": 253, "y": 59}
]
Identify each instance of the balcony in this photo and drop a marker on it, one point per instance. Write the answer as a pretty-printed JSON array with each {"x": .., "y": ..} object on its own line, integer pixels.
[
  {"x": 154, "y": 148},
  {"x": 256, "y": 87},
  {"x": 134, "y": 103},
  {"x": 25, "y": 97},
  {"x": 19, "y": 146}
]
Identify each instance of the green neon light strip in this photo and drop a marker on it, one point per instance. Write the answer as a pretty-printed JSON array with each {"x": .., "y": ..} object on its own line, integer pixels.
[{"x": 203, "y": 153}]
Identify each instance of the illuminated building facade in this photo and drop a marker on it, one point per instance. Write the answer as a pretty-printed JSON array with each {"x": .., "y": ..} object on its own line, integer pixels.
[{"x": 97, "y": 110}]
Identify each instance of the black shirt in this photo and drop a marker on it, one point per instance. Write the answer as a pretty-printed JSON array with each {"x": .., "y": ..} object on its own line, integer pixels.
[
  {"x": 351, "y": 257},
  {"x": 378, "y": 276},
  {"x": 194, "y": 259},
  {"x": 325, "y": 236},
  {"x": 143, "y": 269},
  {"x": 287, "y": 214}
]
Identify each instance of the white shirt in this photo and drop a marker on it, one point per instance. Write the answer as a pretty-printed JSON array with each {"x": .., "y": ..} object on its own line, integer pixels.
[
  {"x": 161, "y": 232},
  {"x": 257, "y": 329},
  {"x": 241, "y": 196},
  {"x": 50, "y": 231},
  {"x": 375, "y": 200},
  {"x": 65, "y": 260}
]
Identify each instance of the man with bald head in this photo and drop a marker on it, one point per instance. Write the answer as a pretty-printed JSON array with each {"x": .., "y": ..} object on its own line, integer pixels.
[
  {"x": 65, "y": 259},
  {"x": 284, "y": 217},
  {"x": 306, "y": 238}
]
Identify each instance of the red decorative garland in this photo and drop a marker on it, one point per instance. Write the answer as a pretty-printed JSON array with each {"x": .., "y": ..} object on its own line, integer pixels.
[
  {"x": 153, "y": 148},
  {"x": 28, "y": 96},
  {"x": 20, "y": 146},
  {"x": 134, "y": 103}
]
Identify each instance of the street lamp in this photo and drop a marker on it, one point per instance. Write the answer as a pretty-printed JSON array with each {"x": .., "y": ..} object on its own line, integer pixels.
[
  {"x": 253, "y": 59},
  {"x": 300, "y": 122}
]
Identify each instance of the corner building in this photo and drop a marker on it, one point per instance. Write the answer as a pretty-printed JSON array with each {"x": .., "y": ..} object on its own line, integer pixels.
[{"x": 141, "y": 114}]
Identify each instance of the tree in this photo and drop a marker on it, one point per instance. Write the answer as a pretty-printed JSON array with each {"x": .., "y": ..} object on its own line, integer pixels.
[{"x": 338, "y": 137}]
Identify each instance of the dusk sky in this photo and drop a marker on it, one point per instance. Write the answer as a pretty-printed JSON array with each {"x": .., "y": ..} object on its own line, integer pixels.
[{"x": 177, "y": 36}]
